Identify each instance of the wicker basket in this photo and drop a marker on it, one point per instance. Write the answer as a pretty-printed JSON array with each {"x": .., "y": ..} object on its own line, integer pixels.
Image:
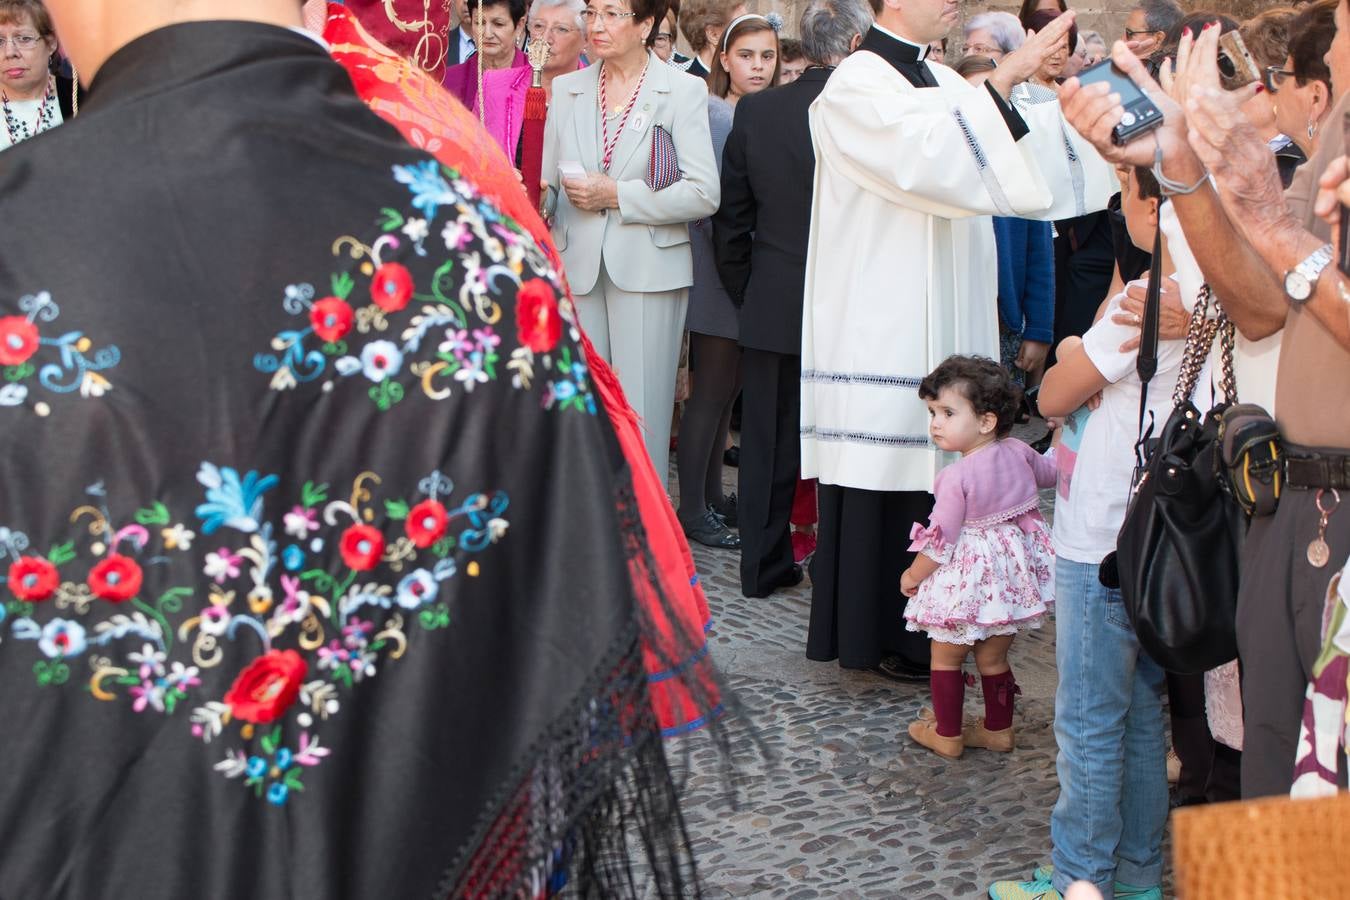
[{"x": 1272, "y": 849}]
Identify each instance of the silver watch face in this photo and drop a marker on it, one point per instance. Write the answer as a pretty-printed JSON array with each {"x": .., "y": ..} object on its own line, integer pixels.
[{"x": 1297, "y": 286}]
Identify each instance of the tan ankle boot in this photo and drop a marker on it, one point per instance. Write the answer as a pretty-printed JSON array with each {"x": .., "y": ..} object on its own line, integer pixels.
[
  {"x": 978, "y": 736},
  {"x": 924, "y": 732}
]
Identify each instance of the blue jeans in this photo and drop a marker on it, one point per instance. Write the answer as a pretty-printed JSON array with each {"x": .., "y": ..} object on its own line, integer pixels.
[{"x": 1107, "y": 825}]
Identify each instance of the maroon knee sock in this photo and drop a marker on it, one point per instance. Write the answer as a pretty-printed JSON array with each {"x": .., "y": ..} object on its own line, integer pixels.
[
  {"x": 948, "y": 690},
  {"x": 999, "y": 691}
]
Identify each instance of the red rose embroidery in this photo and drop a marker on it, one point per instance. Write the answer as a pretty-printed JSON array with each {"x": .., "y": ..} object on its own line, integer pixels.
[
  {"x": 33, "y": 578},
  {"x": 361, "y": 547},
  {"x": 426, "y": 523},
  {"x": 331, "y": 318},
  {"x": 267, "y": 687},
  {"x": 392, "y": 287},
  {"x": 18, "y": 340},
  {"x": 538, "y": 323},
  {"x": 116, "y": 579}
]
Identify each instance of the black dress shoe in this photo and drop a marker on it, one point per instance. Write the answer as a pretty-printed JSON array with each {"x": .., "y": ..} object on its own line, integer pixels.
[
  {"x": 711, "y": 531},
  {"x": 793, "y": 577},
  {"x": 727, "y": 511},
  {"x": 732, "y": 457},
  {"x": 897, "y": 668}
]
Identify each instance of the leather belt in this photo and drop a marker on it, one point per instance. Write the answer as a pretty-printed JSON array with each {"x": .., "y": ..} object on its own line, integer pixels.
[{"x": 1313, "y": 469}]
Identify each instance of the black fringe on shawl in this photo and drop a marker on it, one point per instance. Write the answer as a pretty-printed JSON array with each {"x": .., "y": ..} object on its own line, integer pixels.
[{"x": 597, "y": 812}]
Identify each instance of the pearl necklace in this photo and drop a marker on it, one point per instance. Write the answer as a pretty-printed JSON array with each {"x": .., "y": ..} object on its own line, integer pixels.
[{"x": 19, "y": 131}]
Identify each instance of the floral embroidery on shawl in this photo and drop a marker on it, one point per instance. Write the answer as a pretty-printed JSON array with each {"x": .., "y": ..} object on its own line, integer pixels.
[
  {"x": 301, "y": 633},
  {"x": 64, "y": 367},
  {"x": 449, "y": 341}
]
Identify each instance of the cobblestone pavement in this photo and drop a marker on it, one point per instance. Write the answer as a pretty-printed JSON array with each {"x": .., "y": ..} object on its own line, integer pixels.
[{"x": 846, "y": 805}]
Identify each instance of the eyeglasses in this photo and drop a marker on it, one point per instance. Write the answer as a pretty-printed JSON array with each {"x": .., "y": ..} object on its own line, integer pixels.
[
  {"x": 1131, "y": 34},
  {"x": 1274, "y": 76},
  {"x": 983, "y": 50},
  {"x": 609, "y": 17},
  {"x": 539, "y": 30},
  {"x": 663, "y": 39},
  {"x": 22, "y": 42}
]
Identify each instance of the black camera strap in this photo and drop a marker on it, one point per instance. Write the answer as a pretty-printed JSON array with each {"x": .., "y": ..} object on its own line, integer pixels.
[{"x": 1146, "y": 365}]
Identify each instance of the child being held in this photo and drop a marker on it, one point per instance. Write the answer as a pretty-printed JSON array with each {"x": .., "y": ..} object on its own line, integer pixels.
[{"x": 985, "y": 566}]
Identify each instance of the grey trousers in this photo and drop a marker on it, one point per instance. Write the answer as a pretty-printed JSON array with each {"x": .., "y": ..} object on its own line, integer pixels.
[
  {"x": 1279, "y": 624},
  {"x": 639, "y": 335}
]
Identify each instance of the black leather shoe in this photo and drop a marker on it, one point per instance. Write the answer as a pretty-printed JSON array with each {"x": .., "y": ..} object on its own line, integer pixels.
[
  {"x": 897, "y": 668},
  {"x": 727, "y": 511},
  {"x": 732, "y": 457},
  {"x": 790, "y": 579},
  {"x": 711, "y": 531}
]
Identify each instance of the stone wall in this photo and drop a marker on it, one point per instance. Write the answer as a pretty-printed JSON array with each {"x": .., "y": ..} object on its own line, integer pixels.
[{"x": 1104, "y": 16}]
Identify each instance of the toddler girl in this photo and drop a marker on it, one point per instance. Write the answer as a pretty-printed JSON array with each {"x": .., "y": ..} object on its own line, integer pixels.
[{"x": 985, "y": 565}]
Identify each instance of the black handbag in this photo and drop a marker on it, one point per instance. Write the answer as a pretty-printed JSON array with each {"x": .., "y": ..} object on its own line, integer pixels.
[{"x": 1177, "y": 550}]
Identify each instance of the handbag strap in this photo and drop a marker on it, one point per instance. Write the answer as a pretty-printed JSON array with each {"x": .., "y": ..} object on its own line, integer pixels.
[{"x": 1199, "y": 341}]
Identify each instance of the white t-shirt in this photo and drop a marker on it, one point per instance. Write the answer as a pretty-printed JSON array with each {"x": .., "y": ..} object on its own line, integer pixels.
[{"x": 1096, "y": 456}]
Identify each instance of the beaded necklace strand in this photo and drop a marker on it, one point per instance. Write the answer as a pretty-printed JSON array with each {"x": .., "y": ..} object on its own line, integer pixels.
[{"x": 19, "y": 131}]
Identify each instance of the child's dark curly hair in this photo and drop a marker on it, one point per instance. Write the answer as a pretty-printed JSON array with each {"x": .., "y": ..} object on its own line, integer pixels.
[{"x": 983, "y": 382}]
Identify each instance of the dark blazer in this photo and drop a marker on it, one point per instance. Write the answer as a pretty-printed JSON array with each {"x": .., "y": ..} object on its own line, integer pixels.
[
  {"x": 760, "y": 231},
  {"x": 452, "y": 47}
]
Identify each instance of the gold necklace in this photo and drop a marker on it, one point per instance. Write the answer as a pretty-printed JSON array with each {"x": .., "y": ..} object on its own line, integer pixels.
[{"x": 622, "y": 104}]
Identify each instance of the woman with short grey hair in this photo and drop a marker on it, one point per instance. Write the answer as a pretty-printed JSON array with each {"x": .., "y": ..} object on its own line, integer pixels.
[
  {"x": 829, "y": 31},
  {"x": 993, "y": 34},
  {"x": 575, "y": 7}
]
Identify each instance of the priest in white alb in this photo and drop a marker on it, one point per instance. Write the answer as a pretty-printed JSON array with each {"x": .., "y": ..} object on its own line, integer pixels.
[{"x": 901, "y": 272}]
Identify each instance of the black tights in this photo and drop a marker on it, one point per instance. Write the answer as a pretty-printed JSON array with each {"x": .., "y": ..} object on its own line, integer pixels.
[{"x": 716, "y": 379}]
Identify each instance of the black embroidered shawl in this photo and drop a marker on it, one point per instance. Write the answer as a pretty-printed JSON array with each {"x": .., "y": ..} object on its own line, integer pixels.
[{"x": 313, "y": 544}]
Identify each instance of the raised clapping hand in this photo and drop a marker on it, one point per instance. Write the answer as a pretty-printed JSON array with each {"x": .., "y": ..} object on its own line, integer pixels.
[
  {"x": 593, "y": 193},
  {"x": 1225, "y": 140},
  {"x": 1026, "y": 60}
]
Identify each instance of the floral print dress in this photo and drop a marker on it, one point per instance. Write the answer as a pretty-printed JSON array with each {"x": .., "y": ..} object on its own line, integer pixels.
[{"x": 996, "y": 572}]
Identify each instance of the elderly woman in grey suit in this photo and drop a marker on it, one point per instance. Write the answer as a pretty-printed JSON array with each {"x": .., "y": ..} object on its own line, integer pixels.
[{"x": 625, "y": 242}]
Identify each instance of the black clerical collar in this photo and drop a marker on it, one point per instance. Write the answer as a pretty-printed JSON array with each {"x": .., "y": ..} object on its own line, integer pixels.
[{"x": 892, "y": 47}]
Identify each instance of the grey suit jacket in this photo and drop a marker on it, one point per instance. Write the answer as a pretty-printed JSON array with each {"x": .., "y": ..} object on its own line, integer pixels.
[{"x": 645, "y": 242}]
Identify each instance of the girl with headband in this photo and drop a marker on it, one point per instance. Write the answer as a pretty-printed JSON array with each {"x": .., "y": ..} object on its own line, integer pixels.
[{"x": 747, "y": 62}]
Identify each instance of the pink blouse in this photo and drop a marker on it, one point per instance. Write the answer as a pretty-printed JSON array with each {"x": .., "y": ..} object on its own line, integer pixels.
[{"x": 996, "y": 484}]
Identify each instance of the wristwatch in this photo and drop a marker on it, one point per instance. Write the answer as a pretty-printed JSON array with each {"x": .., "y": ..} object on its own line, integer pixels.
[{"x": 1300, "y": 280}]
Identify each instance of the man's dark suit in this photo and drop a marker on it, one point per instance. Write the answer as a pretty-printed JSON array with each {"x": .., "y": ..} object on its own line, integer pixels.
[
  {"x": 452, "y": 57},
  {"x": 760, "y": 235}
]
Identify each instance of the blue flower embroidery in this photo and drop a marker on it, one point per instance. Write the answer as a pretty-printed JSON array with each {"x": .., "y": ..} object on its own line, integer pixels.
[
  {"x": 230, "y": 501},
  {"x": 429, "y": 188}
]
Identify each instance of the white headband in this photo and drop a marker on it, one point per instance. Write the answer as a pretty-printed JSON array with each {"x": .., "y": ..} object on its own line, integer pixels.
[{"x": 726, "y": 35}]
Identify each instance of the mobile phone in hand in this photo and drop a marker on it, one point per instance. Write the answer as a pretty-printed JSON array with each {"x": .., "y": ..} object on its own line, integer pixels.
[
  {"x": 1141, "y": 114},
  {"x": 1237, "y": 68}
]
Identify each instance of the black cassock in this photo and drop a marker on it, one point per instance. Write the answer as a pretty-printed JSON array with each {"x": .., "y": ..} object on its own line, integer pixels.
[{"x": 313, "y": 543}]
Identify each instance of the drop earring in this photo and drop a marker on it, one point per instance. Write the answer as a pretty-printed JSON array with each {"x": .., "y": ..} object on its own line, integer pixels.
[{"x": 1312, "y": 130}]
